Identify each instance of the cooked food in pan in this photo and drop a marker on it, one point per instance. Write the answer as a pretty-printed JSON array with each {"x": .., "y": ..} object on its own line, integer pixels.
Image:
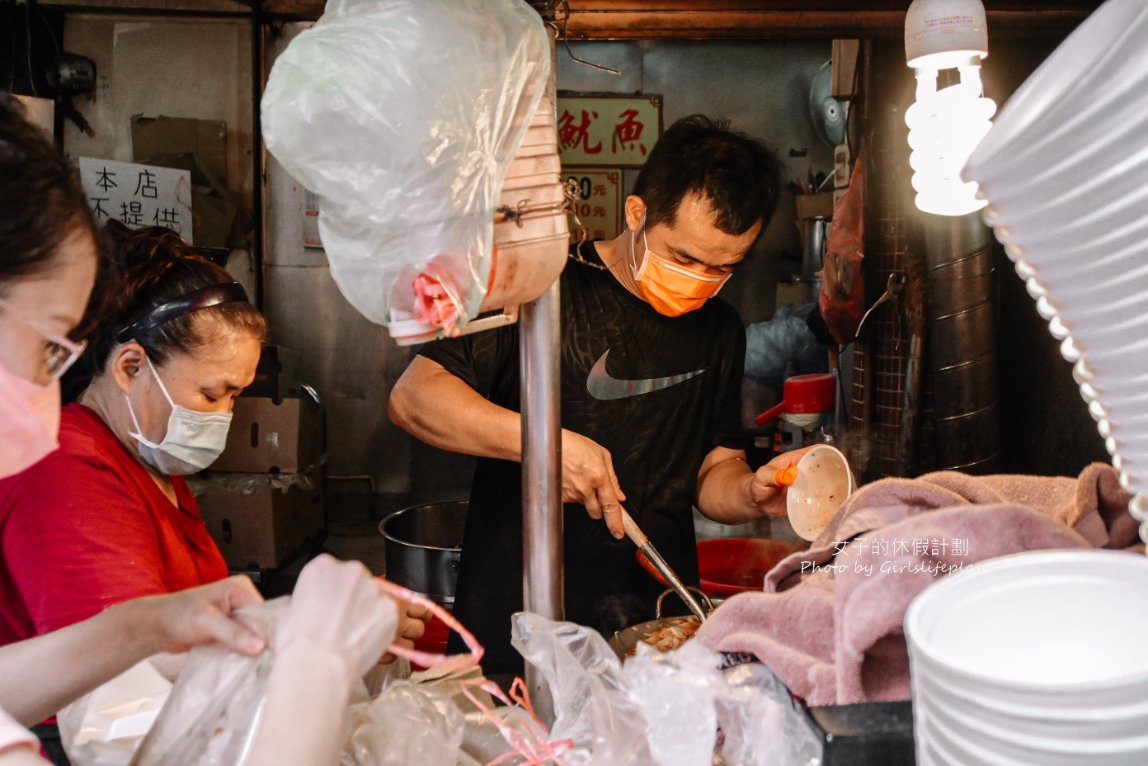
[{"x": 672, "y": 633}]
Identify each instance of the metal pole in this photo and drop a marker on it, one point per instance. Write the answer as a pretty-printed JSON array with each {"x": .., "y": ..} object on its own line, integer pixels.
[
  {"x": 541, "y": 472},
  {"x": 962, "y": 360}
]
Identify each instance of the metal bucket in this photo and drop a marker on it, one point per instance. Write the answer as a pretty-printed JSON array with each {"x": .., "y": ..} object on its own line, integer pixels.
[{"x": 423, "y": 547}]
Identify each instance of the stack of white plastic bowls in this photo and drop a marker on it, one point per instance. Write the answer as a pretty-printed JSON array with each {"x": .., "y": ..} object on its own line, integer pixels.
[
  {"x": 1033, "y": 658},
  {"x": 1065, "y": 173}
]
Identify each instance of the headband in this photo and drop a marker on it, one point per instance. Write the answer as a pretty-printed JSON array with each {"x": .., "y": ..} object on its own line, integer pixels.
[{"x": 230, "y": 292}]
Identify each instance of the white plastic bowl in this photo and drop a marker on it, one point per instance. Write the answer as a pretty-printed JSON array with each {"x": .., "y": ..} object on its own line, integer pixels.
[
  {"x": 1050, "y": 622},
  {"x": 1080, "y": 239},
  {"x": 824, "y": 481},
  {"x": 1036, "y": 657}
]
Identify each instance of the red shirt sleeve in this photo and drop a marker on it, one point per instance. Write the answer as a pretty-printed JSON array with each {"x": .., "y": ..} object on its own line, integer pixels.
[{"x": 77, "y": 541}]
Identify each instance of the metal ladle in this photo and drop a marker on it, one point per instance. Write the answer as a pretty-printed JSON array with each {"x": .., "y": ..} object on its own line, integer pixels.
[{"x": 638, "y": 537}]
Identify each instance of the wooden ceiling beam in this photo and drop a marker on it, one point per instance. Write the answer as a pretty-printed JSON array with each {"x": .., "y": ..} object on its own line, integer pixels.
[
  {"x": 681, "y": 19},
  {"x": 158, "y": 7},
  {"x": 778, "y": 19}
]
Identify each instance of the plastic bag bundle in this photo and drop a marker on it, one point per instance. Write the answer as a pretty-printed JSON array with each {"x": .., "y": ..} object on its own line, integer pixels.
[
  {"x": 436, "y": 719},
  {"x": 405, "y": 724},
  {"x": 403, "y": 117},
  {"x": 443, "y": 716},
  {"x": 762, "y": 725},
  {"x": 591, "y": 706},
  {"x": 676, "y": 708},
  {"x": 678, "y": 701}
]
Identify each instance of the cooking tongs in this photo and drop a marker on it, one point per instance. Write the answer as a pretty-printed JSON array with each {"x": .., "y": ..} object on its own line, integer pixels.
[{"x": 638, "y": 537}]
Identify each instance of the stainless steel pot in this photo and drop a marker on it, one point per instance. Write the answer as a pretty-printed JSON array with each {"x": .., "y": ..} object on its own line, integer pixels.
[{"x": 423, "y": 547}]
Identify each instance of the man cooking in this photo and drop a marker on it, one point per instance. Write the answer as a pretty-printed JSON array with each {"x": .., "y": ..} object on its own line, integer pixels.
[{"x": 651, "y": 375}]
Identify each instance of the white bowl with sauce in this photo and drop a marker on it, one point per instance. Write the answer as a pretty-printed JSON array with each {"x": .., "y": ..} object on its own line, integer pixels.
[{"x": 824, "y": 481}]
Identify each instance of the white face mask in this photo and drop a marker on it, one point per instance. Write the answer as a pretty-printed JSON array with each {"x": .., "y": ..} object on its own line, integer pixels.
[{"x": 193, "y": 440}]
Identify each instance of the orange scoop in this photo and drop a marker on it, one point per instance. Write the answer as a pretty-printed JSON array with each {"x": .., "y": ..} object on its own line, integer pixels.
[{"x": 783, "y": 477}]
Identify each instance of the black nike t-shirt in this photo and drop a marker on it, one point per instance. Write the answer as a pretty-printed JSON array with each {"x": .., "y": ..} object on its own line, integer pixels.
[{"x": 657, "y": 392}]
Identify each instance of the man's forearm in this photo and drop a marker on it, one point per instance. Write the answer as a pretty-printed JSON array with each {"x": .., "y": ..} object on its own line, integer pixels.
[
  {"x": 441, "y": 410},
  {"x": 724, "y": 493}
]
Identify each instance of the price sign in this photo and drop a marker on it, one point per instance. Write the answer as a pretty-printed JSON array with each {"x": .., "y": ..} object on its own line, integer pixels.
[{"x": 599, "y": 204}]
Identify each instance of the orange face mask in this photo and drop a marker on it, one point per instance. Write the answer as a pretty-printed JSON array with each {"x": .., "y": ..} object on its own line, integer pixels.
[{"x": 671, "y": 289}]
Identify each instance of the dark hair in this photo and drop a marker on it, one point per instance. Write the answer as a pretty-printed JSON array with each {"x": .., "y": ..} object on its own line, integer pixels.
[
  {"x": 740, "y": 176},
  {"x": 149, "y": 267},
  {"x": 42, "y": 203}
]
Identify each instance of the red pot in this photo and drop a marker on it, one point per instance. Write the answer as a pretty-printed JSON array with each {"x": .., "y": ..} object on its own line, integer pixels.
[{"x": 733, "y": 564}]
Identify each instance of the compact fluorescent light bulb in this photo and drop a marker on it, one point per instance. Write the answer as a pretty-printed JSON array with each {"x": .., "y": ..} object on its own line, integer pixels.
[{"x": 946, "y": 125}]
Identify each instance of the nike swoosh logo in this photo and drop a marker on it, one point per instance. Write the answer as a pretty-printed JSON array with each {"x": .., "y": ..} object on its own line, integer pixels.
[{"x": 604, "y": 387}]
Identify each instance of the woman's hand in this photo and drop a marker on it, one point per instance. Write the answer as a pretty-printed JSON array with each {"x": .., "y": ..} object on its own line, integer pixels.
[
  {"x": 340, "y": 609},
  {"x": 588, "y": 478},
  {"x": 200, "y": 615}
]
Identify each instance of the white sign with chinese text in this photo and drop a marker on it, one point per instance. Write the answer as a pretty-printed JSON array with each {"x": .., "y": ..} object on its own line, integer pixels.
[
  {"x": 616, "y": 131},
  {"x": 138, "y": 195}
]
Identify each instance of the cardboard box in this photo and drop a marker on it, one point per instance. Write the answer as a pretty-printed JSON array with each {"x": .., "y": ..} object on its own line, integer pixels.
[
  {"x": 270, "y": 437},
  {"x": 261, "y": 521}
]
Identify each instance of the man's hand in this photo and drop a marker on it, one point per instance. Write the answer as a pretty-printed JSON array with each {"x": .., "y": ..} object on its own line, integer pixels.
[
  {"x": 588, "y": 478},
  {"x": 767, "y": 495}
]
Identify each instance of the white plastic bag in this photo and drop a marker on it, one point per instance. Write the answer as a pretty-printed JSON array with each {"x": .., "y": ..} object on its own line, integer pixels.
[
  {"x": 210, "y": 718},
  {"x": 105, "y": 726},
  {"x": 405, "y": 724},
  {"x": 403, "y": 117},
  {"x": 675, "y": 708},
  {"x": 440, "y": 717},
  {"x": 591, "y": 704}
]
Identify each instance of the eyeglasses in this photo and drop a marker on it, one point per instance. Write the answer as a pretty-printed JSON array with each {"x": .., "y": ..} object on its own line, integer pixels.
[{"x": 60, "y": 353}]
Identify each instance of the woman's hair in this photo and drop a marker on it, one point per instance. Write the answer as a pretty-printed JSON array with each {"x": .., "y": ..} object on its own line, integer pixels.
[
  {"x": 739, "y": 176},
  {"x": 148, "y": 268},
  {"x": 42, "y": 203}
]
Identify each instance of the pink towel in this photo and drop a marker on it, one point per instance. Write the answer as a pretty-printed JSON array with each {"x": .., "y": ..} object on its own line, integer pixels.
[{"x": 830, "y": 621}]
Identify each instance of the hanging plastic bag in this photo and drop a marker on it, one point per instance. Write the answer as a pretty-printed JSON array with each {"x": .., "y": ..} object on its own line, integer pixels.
[{"x": 403, "y": 118}]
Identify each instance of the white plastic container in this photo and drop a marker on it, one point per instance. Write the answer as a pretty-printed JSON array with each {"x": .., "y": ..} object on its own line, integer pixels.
[{"x": 1033, "y": 658}]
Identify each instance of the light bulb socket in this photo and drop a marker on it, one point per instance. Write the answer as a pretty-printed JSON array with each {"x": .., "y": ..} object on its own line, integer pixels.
[{"x": 942, "y": 34}]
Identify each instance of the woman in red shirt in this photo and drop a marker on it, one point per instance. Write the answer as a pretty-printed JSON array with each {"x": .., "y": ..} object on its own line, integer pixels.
[
  {"x": 339, "y": 620},
  {"x": 109, "y": 517}
]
